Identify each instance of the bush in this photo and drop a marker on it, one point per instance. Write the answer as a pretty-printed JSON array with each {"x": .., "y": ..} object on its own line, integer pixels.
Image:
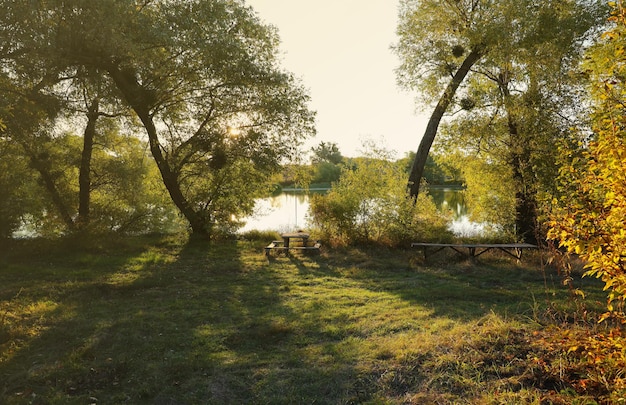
[{"x": 369, "y": 205}]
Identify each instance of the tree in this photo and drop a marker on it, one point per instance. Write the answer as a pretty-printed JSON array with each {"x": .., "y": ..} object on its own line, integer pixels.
[
  {"x": 588, "y": 218},
  {"x": 326, "y": 161},
  {"x": 525, "y": 46},
  {"x": 490, "y": 194},
  {"x": 122, "y": 190},
  {"x": 202, "y": 77},
  {"x": 127, "y": 194},
  {"x": 36, "y": 107},
  {"x": 438, "y": 169},
  {"x": 36, "y": 87},
  {"x": 29, "y": 114},
  {"x": 92, "y": 95},
  {"x": 326, "y": 152},
  {"x": 439, "y": 43}
]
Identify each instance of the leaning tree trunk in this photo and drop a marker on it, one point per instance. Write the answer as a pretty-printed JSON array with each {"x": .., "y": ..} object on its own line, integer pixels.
[
  {"x": 140, "y": 100},
  {"x": 42, "y": 166},
  {"x": 28, "y": 114},
  {"x": 417, "y": 170}
]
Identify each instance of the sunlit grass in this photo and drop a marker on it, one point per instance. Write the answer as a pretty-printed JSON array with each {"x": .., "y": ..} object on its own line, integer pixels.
[{"x": 159, "y": 320}]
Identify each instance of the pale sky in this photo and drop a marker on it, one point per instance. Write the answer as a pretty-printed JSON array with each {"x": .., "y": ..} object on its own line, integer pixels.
[{"x": 340, "y": 49}]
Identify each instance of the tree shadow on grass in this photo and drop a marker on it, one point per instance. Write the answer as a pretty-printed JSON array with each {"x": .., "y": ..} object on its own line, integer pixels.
[
  {"x": 454, "y": 286},
  {"x": 166, "y": 325},
  {"x": 171, "y": 323}
]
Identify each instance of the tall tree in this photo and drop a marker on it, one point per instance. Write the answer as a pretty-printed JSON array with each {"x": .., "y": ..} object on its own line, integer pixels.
[
  {"x": 526, "y": 46},
  {"x": 90, "y": 100},
  {"x": 197, "y": 71},
  {"x": 440, "y": 41}
]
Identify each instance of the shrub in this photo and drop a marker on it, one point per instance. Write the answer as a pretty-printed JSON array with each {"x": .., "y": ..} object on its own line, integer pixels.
[{"x": 369, "y": 204}]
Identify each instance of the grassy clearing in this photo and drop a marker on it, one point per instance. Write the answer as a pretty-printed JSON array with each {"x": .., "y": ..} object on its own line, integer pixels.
[{"x": 163, "y": 321}]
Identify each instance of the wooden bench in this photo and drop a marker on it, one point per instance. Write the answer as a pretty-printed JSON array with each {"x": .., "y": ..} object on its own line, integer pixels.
[{"x": 475, "y": 249}]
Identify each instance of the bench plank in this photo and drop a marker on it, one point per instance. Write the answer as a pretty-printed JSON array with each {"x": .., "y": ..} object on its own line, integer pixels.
[{"x": 476, "y": 249}]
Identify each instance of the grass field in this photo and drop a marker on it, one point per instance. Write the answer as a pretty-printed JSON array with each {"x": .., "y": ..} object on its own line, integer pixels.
[{"x": 158, "y": 320}]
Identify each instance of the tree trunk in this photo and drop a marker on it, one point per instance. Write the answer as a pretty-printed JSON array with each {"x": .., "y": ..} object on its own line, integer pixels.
[
  {"x": 43, "y": 168},
  {"x": 519, "y": 160},
  {"x": 417, "y": 170},
  {"x": 525, "y": 197},
  {"x": 525, "y": 203},
  {"x": 140, "y": 100},
  {"x": 84, "y": 176}
]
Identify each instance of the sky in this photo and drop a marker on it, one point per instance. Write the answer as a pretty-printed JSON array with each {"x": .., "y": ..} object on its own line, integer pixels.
[{"x": 341, "y": 51}]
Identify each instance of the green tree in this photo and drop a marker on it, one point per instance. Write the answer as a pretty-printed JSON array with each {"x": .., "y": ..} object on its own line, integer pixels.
[
  {"x": 438, "y": 169},
  {"x": 326, "y": 160},
  {"x": 490, "y": 194},
  {"x": 30, "y": 115},
  {"x": 326, "y": 152},
  {"x": 90, "y": 98},
  {"x": 514, "y": 93},
  {"x": 128, "y": 195},
  {"x": 202, "y": 78},
  {"x": 39, "y": 94},
  {"x": 34, "y": 111},
  {"x": 326, "y": 172},
  {"x": 19, "y": 190},
  {"x": 440, "y": 41}
]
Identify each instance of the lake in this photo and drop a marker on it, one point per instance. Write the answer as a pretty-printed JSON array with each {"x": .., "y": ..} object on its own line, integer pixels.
[{"x": 289, "y": 210}]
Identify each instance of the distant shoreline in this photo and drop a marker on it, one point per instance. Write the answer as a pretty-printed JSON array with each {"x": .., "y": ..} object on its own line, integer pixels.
[
  {"x": 303, "y": 190},
  {"x": 431, "y": 187}
]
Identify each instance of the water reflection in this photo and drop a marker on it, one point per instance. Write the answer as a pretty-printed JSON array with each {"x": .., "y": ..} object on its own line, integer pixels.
[
  {"x": 450, "y": 198},
  {"x": 289, "y": 211}
]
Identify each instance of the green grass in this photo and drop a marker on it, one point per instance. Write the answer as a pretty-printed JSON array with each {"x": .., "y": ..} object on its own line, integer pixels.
[{"x": 158, "y": 320}]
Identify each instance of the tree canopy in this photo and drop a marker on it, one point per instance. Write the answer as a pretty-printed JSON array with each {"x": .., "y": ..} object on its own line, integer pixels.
[
  {"x": 202, "y": 79},
  {"x": 505, "y": 65}
]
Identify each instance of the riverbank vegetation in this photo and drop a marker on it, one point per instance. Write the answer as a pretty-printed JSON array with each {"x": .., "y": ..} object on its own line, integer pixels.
[
  {"x": 166, "y": 320},
  {"x": 368, "y": 205}
]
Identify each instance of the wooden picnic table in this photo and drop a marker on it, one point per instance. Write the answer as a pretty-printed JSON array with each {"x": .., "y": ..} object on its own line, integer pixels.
[
  {"x": 286, "y": 244},
  {"x": 303, "y": 236},
  {"x": 476, "y": 249}
]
